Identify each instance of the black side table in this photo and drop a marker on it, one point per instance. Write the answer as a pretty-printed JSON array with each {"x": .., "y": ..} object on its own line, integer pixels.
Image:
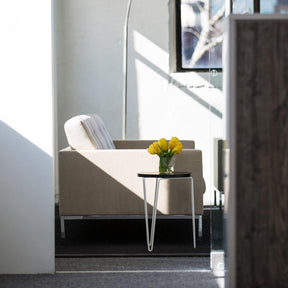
[{"x": 159, "y": 177}]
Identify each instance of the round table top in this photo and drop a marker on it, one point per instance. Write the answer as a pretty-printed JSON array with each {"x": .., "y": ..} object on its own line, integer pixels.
[{"x": 164, "y": 175}]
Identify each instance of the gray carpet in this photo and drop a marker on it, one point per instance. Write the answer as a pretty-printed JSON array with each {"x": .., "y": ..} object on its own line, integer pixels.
[
  {"x": 122, "y": 272},
  {"x": 132, "y": 263},
  {"x": 114, "y": 280}
]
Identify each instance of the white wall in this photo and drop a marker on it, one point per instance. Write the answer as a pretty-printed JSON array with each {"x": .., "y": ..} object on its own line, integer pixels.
[
  {"x": 89, "y": 61},
  {"x": 160, "y": 103},
  {"x": 26, "y": 172}
]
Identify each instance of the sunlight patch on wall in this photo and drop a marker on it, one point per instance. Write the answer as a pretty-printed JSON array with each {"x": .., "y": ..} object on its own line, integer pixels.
[
  {"x": 151, "y": 51},
  {"x": 26, "y": 70}
]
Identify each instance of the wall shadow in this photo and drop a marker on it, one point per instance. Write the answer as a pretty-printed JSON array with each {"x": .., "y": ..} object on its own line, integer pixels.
[{"x": 26, "y": 203}]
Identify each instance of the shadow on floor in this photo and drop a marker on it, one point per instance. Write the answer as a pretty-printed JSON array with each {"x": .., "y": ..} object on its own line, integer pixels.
[{"x": 127, "y": 237}]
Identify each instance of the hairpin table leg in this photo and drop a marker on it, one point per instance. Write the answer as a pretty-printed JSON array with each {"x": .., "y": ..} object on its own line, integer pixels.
[{"x": 150, "y": 234}]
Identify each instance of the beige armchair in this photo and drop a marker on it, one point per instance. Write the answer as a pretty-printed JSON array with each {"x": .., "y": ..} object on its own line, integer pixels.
[{"x": 99, "y": 182}]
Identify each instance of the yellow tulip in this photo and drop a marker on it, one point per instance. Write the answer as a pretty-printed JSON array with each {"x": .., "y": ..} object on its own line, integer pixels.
[
  {"x": 151, "y": 149},
  {"x": 163, "y": 144},
  {"x": 177, "y": 149},
  {"x": 162, "y": 147},
  {"x": 173, "y": 142},
  {"x": 156, "y": 148}
]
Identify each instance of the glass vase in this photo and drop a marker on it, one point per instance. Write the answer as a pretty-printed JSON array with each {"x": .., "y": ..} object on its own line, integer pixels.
[{"x": 166, "y": 164}]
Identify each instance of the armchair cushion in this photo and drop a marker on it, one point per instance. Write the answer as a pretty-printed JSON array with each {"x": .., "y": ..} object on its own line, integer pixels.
[{"x": 87, "y": 132}]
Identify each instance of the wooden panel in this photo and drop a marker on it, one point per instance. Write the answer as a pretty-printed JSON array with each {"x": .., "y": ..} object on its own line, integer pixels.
[{"x": 262, "y": 154}]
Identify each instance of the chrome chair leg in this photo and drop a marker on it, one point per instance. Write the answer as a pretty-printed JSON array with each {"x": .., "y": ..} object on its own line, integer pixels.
[
  {"x": 62, "y": 226},
  {"x": 200, "y": 226}
]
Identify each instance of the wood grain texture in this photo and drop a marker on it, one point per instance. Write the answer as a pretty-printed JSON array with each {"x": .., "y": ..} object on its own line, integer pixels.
[{"x": 262, "y": 154}]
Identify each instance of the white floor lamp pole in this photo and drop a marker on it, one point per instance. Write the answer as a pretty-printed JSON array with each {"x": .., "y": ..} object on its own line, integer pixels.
[
  {"x": 125, "y": 68},
  {"x": 229, "y": 5}
]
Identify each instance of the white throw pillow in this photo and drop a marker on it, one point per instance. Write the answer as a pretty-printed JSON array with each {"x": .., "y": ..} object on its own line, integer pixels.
[{"x": 86, "y": 132}]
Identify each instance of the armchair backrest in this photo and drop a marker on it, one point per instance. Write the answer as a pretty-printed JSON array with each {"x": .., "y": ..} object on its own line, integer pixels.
[
  {"x": 144, "y": 144},
  {"x": 87, "y": 132}
]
